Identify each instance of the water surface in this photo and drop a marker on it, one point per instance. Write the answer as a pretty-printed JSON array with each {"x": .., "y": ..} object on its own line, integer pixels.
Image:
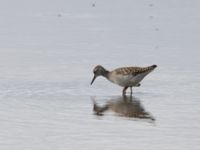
[{"x": 47, "y": 54}]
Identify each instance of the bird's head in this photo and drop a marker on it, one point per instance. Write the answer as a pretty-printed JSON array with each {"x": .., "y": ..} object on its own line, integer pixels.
[{"x": 98, "y": 71}]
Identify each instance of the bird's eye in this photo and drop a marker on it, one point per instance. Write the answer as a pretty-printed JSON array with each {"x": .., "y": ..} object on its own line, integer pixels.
[{"x": 95, "y": 70}]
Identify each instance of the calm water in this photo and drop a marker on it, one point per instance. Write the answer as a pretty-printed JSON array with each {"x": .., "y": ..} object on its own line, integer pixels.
[{"x": 46, "y": 59}]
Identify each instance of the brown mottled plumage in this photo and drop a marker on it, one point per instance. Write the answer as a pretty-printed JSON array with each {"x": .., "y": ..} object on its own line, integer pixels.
[
  {"x": 132, "y": 70},
  {"x": 125, "y": 76}
]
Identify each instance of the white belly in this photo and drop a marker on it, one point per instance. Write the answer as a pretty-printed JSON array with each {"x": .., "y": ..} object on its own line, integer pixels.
[{"x": 127, "y": 80}]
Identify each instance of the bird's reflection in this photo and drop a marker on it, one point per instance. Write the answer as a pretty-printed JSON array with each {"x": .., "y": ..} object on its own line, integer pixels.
[{"x": 123, "y": 106}]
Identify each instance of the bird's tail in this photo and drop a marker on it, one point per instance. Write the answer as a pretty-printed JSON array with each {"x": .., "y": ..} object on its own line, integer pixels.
[{"x": 150, "y": 68}]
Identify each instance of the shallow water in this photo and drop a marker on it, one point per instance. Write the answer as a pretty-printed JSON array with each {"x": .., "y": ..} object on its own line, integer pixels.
[{"x": 46, "y": 62}]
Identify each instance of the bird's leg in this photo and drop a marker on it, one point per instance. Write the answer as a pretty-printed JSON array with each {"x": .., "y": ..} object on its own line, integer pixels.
[
  {"x": 124, "y": 90},
  {"x": 131, "y": 90}
]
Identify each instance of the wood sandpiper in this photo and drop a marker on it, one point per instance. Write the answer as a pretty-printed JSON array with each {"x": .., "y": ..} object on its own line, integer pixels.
[{"x": 125, "y": 76}]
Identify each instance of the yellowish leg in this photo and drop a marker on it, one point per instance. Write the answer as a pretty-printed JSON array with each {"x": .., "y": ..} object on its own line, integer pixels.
[
  {"x": 131, "y": 90},
  {"x": 124, "y": 90}
]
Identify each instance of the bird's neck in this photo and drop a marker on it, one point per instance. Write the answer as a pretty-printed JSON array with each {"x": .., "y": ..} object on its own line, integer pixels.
[{"x": 105, "y": 74}]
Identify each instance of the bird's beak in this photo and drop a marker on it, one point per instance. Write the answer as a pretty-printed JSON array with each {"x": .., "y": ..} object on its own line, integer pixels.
[{"x": 93, "y": 79}]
